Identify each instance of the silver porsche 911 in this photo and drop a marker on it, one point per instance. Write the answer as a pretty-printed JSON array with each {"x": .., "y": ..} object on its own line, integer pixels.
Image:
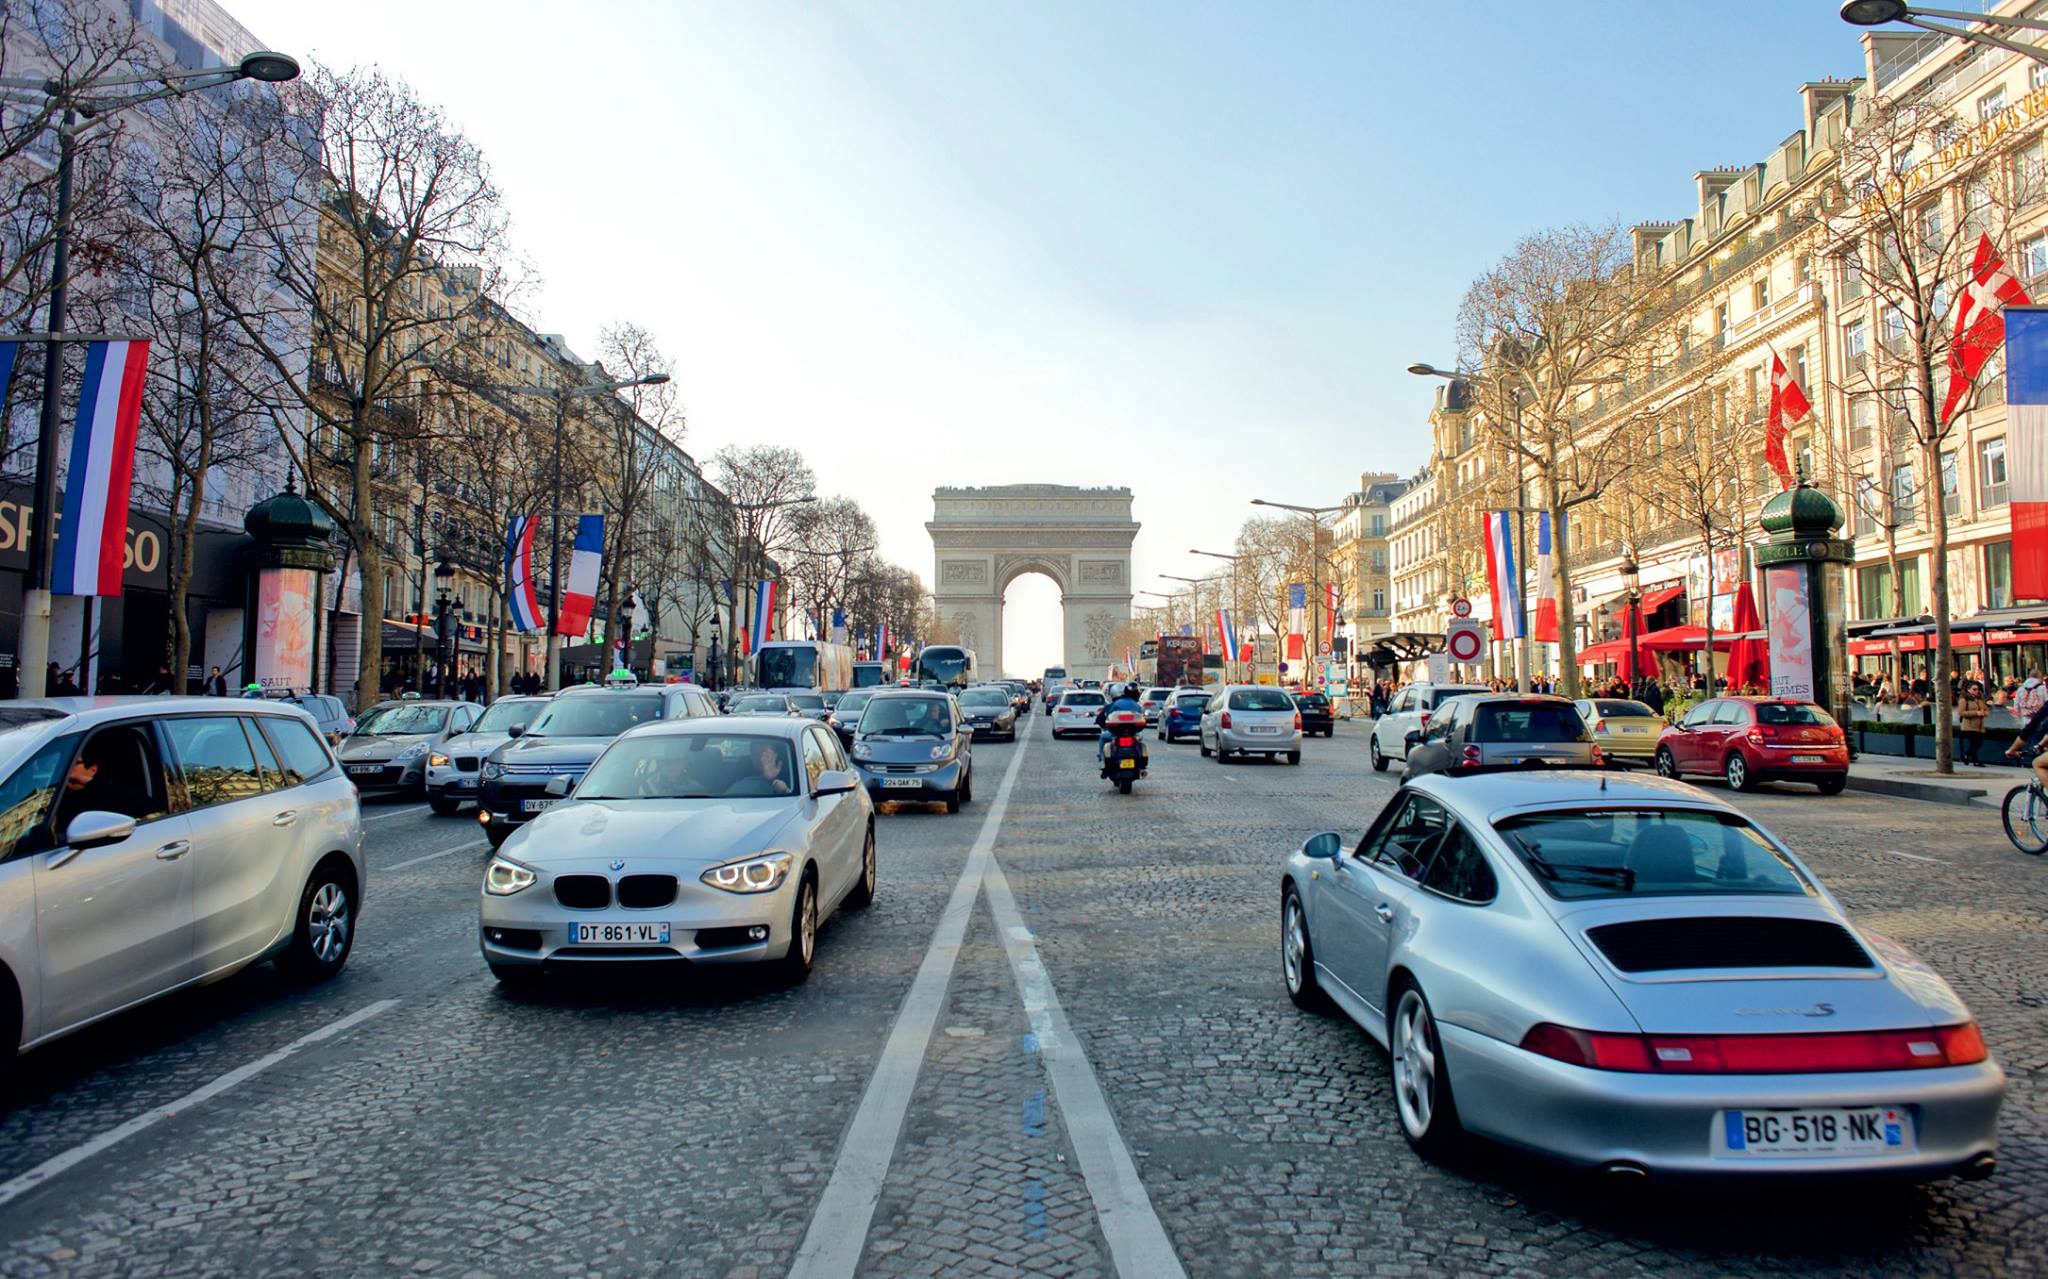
[
  {"x": 1626, "y": 974},
  {"x": 699, "y": 841}
]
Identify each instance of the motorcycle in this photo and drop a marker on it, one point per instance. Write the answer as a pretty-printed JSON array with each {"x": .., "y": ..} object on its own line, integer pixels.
[{"x": 1123, "y": 759}]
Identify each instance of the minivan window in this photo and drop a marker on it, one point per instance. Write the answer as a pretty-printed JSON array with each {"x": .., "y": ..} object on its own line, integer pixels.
[
  {"x": 298, "y": 748},
  {"x": 266, "y": 759},
  {"x": 215, "y": 757},
  {"x": 118, "y": 770},
  {"x": 26, "y": 794},
  {"x": 1260, "y": 699},
  {"x": 502, "y": 717}
]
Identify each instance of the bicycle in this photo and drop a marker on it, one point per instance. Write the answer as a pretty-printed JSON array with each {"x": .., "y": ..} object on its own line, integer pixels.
[{"x": 2025, "y": 814}]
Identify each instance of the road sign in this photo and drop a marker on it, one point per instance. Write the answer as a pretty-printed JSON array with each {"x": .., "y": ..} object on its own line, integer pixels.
[
  {"x": 1464, "y": 641},
  {"x": 1439, "y": 668},
  {"x": 1461, "y": 607}
]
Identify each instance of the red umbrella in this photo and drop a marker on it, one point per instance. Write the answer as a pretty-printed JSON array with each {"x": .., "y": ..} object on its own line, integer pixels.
[{"x": 1748, "y": 659}]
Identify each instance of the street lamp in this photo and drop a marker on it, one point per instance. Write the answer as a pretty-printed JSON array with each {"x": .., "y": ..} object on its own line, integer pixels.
[
  {"x": 444, "y": 573},
  {"x": 1632, "y": 582},
  {"x": 1315, "y": 550},
  {"x": 1877, "y": 13},
  {"x": 87, "y": 99},
  {"x": 712, "y": 658},
  {"x": 561, "y": 395}
]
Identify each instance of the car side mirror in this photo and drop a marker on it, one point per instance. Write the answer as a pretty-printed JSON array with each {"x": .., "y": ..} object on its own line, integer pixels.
[
  {"x": 1412, "y": 737},
  {"x": 558, "y": 785},
  {"x": 95, "y": 829},
  {"x": 517, "y": 730},
  {"x": 1327, "y": 845},
  {"x": 836, "y": 781}
]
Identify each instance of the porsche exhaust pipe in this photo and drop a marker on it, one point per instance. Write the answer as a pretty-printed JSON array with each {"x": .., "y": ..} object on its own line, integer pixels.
[
  {"x": 1979, "y": 1168},
  {"x": 1624, "y": 1172}
]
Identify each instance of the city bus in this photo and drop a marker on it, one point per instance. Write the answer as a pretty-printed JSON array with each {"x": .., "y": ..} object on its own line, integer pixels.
[
  {"x": 947, "y": 665},
  {"x": 816, "y": 664},
  {"x": 870, "y": 674}
]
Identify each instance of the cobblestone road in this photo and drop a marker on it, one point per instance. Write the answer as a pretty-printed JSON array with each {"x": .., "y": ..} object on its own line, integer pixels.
[{"x": 638, "y": 1128}]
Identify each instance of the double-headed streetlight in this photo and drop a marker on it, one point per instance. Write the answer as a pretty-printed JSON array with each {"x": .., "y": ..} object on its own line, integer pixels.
[
  {"x": 1315, "y": 516},
  {"x": 561, "y": 395},
  {"x": 86, "y": 104},
  {"x": 1877, "y": 13}
]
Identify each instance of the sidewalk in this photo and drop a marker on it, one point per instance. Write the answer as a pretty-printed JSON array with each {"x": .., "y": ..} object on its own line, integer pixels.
[{"x": 1916, "y": 779}]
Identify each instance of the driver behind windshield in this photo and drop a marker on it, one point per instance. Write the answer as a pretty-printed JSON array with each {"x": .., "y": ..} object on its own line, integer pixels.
[{"x": 766, "y": 777}]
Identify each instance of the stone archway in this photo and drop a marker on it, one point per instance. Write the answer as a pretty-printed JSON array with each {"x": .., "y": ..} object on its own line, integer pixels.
[{"x": 985, "y": 538}]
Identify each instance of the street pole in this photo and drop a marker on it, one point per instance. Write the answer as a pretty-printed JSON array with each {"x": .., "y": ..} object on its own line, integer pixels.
[
  {"x": 1521, "y": 571},
  {"x": 35, "y": 607},
  {"x": 555, "y": 555}
]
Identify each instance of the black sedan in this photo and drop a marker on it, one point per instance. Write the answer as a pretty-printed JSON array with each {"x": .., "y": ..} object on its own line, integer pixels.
[{"x": 1316, "y": 715}]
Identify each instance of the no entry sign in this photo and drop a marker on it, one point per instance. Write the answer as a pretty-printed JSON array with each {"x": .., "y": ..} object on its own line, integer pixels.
[{"x": 1464, "y": 641}]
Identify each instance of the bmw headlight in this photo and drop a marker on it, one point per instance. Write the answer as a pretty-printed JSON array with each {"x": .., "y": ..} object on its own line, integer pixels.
[
  {"x": 763, "y": 874},
  {"x": 504, "y": 877},
  {"x": 940, "y": 752},
  {"x": 438, "y": 760},
  {"x": 493, "y": 770}
]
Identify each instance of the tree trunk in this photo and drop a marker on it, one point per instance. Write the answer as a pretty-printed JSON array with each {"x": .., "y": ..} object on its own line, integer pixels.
[
  {"x": 1561, "y": 570},
  {"x": 1707, "y": 533},
  {"x": 370, "y": 561},
  {"x": 1937, "y": 591}
]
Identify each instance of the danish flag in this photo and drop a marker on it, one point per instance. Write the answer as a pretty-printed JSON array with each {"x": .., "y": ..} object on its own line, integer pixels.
[
  {"x": 1980, "y": 322},
  {"x": 1788, "y": 405}
]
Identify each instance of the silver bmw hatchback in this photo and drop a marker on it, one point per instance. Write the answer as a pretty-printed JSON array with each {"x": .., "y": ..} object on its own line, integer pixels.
[{"x": 153, "y": 843}]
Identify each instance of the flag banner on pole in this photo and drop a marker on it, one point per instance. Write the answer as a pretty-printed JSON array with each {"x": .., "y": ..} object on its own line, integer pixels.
[
  {"x": 764, "y": 613},
  {"x": 1297, "y": 608},
  {"x": 1130, "y": 667},
  {"x": 1292, "y": 645},
  {"x": 1330, "y": 615},
  {"x": 1980, "y": 322},
  {"x": 581, "y": 596},
  {"x": 2026, "y": 398},
  {"x": 92, "y": 536},
  {"x": 522, "y": 601},
  {"x": 882, "y": 644},
  {"x": 1788, "y": 405},
  {"x": 637, "y": 607},
  {"x": 1502, "y": 580},
  {"x": 839, "y": 626},
  {"x": 1226, "y": 634},
  {"x": 1546, "y": 583},
  {"x": 8, "y": 352}
]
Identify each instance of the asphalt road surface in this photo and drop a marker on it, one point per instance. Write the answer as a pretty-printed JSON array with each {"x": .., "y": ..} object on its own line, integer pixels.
[{"x": 1056, "y": 1044}]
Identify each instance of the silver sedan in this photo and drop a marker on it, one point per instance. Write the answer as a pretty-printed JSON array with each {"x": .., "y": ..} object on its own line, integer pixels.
[
  {"x": 711, "y": 841},
  {"x": 1625, "y": 974}
]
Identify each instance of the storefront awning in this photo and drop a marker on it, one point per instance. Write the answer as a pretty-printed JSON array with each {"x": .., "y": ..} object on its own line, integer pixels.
[{"x": 1654, "y": 600}]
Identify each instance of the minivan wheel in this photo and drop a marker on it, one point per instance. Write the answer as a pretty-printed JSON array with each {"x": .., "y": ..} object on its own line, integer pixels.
[
  {"x": 795, "y": 966},
  {"x": 325, "y": 930}
]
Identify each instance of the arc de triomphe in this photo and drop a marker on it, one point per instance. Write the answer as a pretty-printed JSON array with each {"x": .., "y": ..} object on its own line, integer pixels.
[{"x": 983, "y": 538}]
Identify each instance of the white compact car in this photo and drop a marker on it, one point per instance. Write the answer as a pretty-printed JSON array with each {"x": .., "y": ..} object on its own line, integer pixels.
[{"x": 1075, "y": 711}]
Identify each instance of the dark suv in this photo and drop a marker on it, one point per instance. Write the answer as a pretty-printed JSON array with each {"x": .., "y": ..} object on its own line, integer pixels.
[
  {"x": 1316, "y": 715},
  {"x": 564, "y": 740}
]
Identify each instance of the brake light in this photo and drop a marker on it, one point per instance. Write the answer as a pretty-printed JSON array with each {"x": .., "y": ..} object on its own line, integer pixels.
[
  {"x": 1470, "y": 754},
  {"x": 1297, "y": 721},
  {"x": 1126, "y": 741},
  {"x": 1225, "y": 721},
  {"x": 1755, "y": 734},
  {"x": 1959, "y": 1045},
  {"x": 1425, "y": 719}
]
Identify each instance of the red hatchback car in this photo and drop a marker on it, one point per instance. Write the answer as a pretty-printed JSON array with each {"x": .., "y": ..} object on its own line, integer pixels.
[{"x": 1748, "y": 740}]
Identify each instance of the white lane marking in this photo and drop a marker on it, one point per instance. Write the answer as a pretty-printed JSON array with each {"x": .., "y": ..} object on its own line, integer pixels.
[
  {"x": 446, "y": 852},
  {"x": 1136, "y": 1237},
  {"x": 408, "y": 811},
  {"x": 838, "y": 1233},
  {"x": 22, "y": 1183},
  {"x": 1938, "y": 861}
]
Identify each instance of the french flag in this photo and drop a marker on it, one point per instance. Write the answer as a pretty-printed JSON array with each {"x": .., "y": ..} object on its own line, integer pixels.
[
  {"x": 1330, "y": 615},
  {"x": 521, "y": 598},
  {"x": 764, "y": 613},
  {"x": 1226, "y": 633},
  {"x": 1546, "y": 583},
  {"x": 93, "y": 534},
  {"x": 1502, "y": 578},
  {"x": 2026, "y": 398},
  {"x": 581, "y": 597}
]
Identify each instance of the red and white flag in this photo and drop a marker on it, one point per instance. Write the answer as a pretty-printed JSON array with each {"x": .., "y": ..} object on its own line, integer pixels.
[
  {"x": 92, "y": 536},
  {"x": 1788, "y": 405},
  {"x": 1980, "y": 322}
]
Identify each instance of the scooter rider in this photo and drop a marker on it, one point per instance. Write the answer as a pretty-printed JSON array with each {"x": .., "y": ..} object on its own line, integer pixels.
[{"x": 1122, "y": 700}]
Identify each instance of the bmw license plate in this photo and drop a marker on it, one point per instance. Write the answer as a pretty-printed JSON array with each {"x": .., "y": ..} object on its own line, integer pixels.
[
  {"x": 534, "y": 805},
  {"x": 1127, "y": 763},
  {"x": 903, "y": 783},
  {"x": 1868, "y": 1130},
  {"x": 618, "y": 934}
]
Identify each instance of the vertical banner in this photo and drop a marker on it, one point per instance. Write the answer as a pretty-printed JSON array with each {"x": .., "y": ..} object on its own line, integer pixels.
[
  {"x": 838, "y": 626},
  {"x": 1546, "y": 583},
  {"x": 1329, "y": 616},
  {"x": 1297, "y": 609},
  {"x": 764, "y": 614},
  {"x": 522, "y": 601},
  {"x": 1791, "y": 633},
  {"x": 283, "y": 659},
  {"x": 92, "y": 535},
  {"x": 581, "y": 597},
  {"x": 2026, "y": 447},
  {"x": 1503, "y": 581}
]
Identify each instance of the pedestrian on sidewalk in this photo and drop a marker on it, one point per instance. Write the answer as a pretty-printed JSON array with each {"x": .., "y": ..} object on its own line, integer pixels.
[{"x": 1971, "y": 709}]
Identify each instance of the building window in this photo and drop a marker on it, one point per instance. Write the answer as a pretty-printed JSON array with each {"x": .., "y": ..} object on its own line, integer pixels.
[
  {"x": 1379, "y": 599},
  {"x": 1868, "y": 505},
  {"x": 1760, "y": 293},
  {"x": 1991, "y": 104},
  {"x": 2028, "y": 167},
  {"x": 1795, "y": 360},
  {"x": 1758, "y": 393},
  {"x": 1998, "y": 575},
  {"x": 2034, "y": 256},
  {"x": 1931, "y": 238},
  {"x": 1802, "y": 456},
  {"x": 2037, "y": 75},
  {"x": 1951, "y": 485},
  {"x": 1379, "y": 526},
  {"x": 1874, "y": 596},
  {"x": 1991, "y": 474},
  {"x": 1852, "y": 276},
  {"x": 1892, "y": 332},
  {"x": 1902, "y": 493},
  {"x": 1855, "y": 342}
]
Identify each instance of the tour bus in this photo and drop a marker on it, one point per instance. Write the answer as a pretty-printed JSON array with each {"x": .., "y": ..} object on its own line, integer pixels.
[
  {"x": 870, "y": 674},
  {"x": 947, "y": 665},
  {"x": 818, "y": 664}
]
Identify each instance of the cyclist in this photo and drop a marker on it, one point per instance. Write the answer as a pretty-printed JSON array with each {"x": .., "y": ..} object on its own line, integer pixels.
[{"x": 2030, "y": 741}]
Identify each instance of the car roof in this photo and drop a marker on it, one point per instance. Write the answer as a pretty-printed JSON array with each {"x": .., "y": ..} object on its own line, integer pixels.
[
  {"x": 898, "y": 693},
  {"x": 784, "y": 727},
  {"x": 1489, "y": 797},
  {"x": 108, "y": 705}
]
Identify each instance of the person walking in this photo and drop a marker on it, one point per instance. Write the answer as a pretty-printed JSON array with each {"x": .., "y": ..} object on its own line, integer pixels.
[
  {"x": 1971, "y": 708},
  {"x": 216, "y": 683}
]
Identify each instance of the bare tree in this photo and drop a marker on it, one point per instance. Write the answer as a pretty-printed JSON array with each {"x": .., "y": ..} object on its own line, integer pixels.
[
  {"x": 387, "y": 227},
  {"x": 628, "y": 450},
  {"x": 1924, "y": 197},
  {"x": 763, "y": 485},
  {"x": 830, "y": 541}
]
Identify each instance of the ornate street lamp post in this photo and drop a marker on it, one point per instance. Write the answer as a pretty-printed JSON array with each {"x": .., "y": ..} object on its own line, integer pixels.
[{"x": 1632, "y": 579}]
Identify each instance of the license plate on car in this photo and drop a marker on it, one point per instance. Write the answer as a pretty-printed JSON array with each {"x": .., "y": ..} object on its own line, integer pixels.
[
  {"x": 903, "y": 783},
  {"x": 1867, "y": 1130},
  {"x": 618, "y": 934},
  {"x": 1261, "y": 728},
  {"x": 534, "y": 805},
  {"x": 1809, "y": 759},
  {"x": 360, "y": 770}
]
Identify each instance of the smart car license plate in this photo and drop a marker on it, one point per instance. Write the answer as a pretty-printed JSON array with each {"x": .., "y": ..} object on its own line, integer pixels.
[
  {"x": 903, "y": 783},
  {"x": 618, "y": 934},
  {"x": 1809, "y": 759},
  {"x": 1869, "y": 1130},
  {"x": 534, "y": 805}
]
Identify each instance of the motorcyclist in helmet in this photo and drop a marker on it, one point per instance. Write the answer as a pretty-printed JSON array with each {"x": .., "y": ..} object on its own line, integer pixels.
[{"x": 1121, "y": 699}]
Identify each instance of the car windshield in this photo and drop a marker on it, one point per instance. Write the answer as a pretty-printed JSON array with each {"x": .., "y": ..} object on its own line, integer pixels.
[
  {"x": 851, "y": 704},
  {"x": 1261, "y": 699},
  {"x": 400, "y": 718},
  {"x": 605, "y": 715},
  {"x": 984, "y": 697},
  {"x": 1527, "y": 722},
  {"x": 1082, "y": 699},
  {"x": 1312, "y": 701},
  {"x": 1191, "y": 701},
  {"x": 758, "y": 705},
  {"x": 1796, "y": 713},
  {"x": 788, "y": 667},
  {"x": 807, "y": 701},
  {"x": 906, "y": 717},
  {"x": 503, "y": 717},
  {"x": 1622, "y": 710},
  {"x": 691, "y": 766},
  {"x": 1649, "y": 852}
]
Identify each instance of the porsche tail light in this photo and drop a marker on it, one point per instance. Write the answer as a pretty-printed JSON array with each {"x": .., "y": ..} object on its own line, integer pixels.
[{"x": 1840, "y": 1051}]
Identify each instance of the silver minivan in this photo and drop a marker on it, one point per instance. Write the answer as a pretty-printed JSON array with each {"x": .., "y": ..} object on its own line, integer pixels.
[
  {"x": 1251, "y": 719},
  {"x": 151, "y": 843}
]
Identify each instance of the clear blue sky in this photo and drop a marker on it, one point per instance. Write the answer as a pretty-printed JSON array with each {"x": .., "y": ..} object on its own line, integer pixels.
[{"x": 1187, "y": 247}]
